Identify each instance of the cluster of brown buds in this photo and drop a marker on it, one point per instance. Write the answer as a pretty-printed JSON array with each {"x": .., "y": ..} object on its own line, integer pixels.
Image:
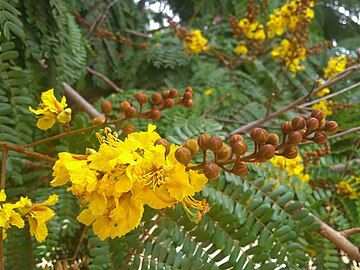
[
  {"x": 313, "y": 156},
  {"x": 145, "y": 107},
  {"x": 232, "y": 156}
]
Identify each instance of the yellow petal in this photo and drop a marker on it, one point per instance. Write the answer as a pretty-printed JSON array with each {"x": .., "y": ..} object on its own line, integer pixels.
[
  {"x": 51, "y": 200},
  {"x": 86, "y": 217},
  {"x": 2, "y": 195},
  {"x": 65, "y": 116},
  {"x": 45, "y": 123}
]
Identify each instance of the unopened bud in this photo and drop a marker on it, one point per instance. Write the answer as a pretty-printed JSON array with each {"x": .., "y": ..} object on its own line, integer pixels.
[
  {"x": 286, "y": 127},
  {"x": 331, "y": 127},
  {"x": 164, "y": 143},
  {"x": 215, "y": 144},
  {"x": 203, "y": 141},
  {"x": 98, "y": 120},
  {"x": 239, "y": 148},
  {"x": 128, "y": 128},
  {"x": 318, "y": 114},
  {"x": 266, "y": 151},
  {"x": 141, "y": 98},
  {"x": 298, "y": 123},
  {"x": 211, "y": 171},
  {"x": 235, "y": 138},
  {"x": 224, "y": 153},
  {"x": 320, "y": 137},
  {"x": 165, "y": 94},
  {"x": 189, "y": 103},
  {"x": 155, "y": 114},
  {"x": 156, "y": 98},
  {"x": 290, "y": 152},
  {"x": 173, "y": 93},
  {"x": 106, "y": 107},
  {"x": 183, "y": 155},
  {"x": 295, "y": 137},
  {"x": 312, "y": 124},
  {"x": 193, "y": 146},
  {"x": 240, "y": 169},
  {"x": 259, "y": 135},
  {"x": 187, "y": 95},
  {"x": 124, "y": 106},
  {"x": 169, "y": 102},
  {"x": 273, "y": 139},
  {"x": 131, "y": 112},
  {"x": 322, "y": 123},
  {"x": 190, "y": 90}
]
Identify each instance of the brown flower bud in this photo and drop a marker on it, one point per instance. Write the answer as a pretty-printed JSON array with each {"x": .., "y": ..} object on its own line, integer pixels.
[
  {"x": 98, "y": 120},
  {"x": 240, "y": 169},
  {"x": 203, "y": 141},
  {"x": 131, "y": 112},
  {"x": 318, "y": 114},
  {"x": 128, "y": 128},
  {"x": 124, "y": 106},
  {"x": 286, "y": 127},
  {"x": 273, "y": 139},
  {"x": 165, "y": 94},
  {"x": 290, "y": 152},
  {"x": 173, "y": 93},
  {"x": 143, "y": 46},
  {"x": 320, "y": 137},
  {"x": 192, "y": 145},
  {"x": 164, "y": 143},
  {"x": 322, "y": 123},
  {"x": 239, "y": 148},
  {"x": 259, "y": 135},
  {"x": 211, "y": 170},
  {"x": 215, "y": 144},
  {"x": 190, "y": 90},
  {"x": 141, "y": 98},
  {"x": 189, "y": 103},
  {"x": 183, "y": 155},
  {"x": 312, "y": 124},
  {"x": 298, "y": 123},
  {"x": 266, "y": 151},
  {"x": 187, "y": 95},
  {"x": 235, "y": 138},
  {"x": 331, "y": 127},
  {"x": 169, "y": 102},
  {"x": 106, "y": 107},
  {"x": 155, "y": 114},
  {"x": 295, "y": 137},
  {"x": 224, "y": 153},
  {"x": 156, "y": 98}
]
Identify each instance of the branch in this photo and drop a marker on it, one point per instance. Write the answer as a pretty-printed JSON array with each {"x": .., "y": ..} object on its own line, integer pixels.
[
  {"x": 73, "y": 95},
  {"x": 206, "y": 113},
  {"x": 340, "y": 134},
  {"x": 299, "y": 101},
  {"x": 137, "y": 34},
  {"x": 105, "y": 79},
  {"x": 349, "y": 232}
]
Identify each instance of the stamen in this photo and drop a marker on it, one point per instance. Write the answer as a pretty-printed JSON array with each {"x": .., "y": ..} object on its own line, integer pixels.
[
  {"x": 194, "y": 208},
  {"x": 154, "y": 179}
]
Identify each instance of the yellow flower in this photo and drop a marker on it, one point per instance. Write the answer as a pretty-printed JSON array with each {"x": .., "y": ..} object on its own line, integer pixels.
[
  {"x": 241, "y": 49},
  {"x": 346, "y": 189},
  {"x": 293, "y": 167},
  {"x": 335, "y": 65},
  {"x": 196, "y": 42},
  {"x": 252, "y": 30},
  {"x": 2, "y": 195},
  {"x": 208, "y": 91},
  {"x": 51, "y": 110},
  {"x": 325, "y": 106}
]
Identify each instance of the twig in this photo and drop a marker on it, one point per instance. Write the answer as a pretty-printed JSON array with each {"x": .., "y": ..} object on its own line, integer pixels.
[
  {"x": 217, "y": 103},
  {"x": 138, "y": 34},
  {"x": 105, "y": 79},
  {"x": 349, "y": 232},
  {"x": 243, "y": 123},
  {"x": 72, "y": 94},
  {"x": 297, "y": 102},
  {"x": 78, "y": 246},
  {"x": 340, "y": 134},
  {"x": 101, "y": 17},
  {"x": 270, "y": 103},
  {"x": 330, "y": 95}
]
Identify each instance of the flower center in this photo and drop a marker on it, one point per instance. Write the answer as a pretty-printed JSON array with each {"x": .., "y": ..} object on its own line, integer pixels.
[
  {"x": 194, "y": 208},
  {"x": 154, "y": 179}
]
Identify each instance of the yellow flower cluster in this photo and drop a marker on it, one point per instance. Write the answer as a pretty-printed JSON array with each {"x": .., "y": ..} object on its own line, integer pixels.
[
  {"x": 291, "y": 54},
  {"x": 324, "y": 105},
  {"x": 252, "y": 30},
  {"x": 38, "y": 214},
  {"x": 288, "y": 17},
  {"x": 293, "y": 167},
  {"x": 241, "y": 49},
  {"x": 346, "y": 189},
  {"x": 195, "y": 42},
  {"x": 115, "y": 182},
  {"x": 51, "y": 110},
  {"x": 335, "y": 65}
]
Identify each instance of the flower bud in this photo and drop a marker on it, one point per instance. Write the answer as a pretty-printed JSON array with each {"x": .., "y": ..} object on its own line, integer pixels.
[
  {"x": 266, "y": 151},
  {"x": 215, "y": 144},
  {"x": 164, "y": 143},
  {"x": 240, "y": 169},
  {"x": 320, "y": 137},
  {"x": 286, "y": 127},
  {"x": 211, "y": 170},
  {"x": 165, "y": 94},
  {"x": 124, "y": 106},
  {"x": 203, "y": 141},
  {"x": 187, "y": 95},
  {"x": 298, "y": 123},
  {"x": 312, "y": 124},
  {"x": 290, "y": 152},
  {"x": 239, "y": 148},
  {"x": 169, "y": 102},
  {"x": 235, "y": 138},
  {"x": 192, "y": 145},
  {"x": 224, "y": 153},
  {"x": 189, "y": 89},
  {"x": 322, "y": 123},
  {"x": 98, "y": 120},
  {"x": 131, "y": 112},
  {"x": 141, "y": 98},
  {"x": 331, "y": 127},
  {"x": 273, "y": 139},
  {"x": 156, "y": 98},
  {"x": 173, "y": 93},
  {"x": 318, "y": 114},
  {"x": 128, "y": 128},
  {"x": 106, "y": 107},
  {"x": 189, "y": 103},
  {"x": 183, "y": 155},
  {"x": 155, "y": 114},
  {"x": 295, "y": 137},
  {"x": 259, "y": 135}
]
